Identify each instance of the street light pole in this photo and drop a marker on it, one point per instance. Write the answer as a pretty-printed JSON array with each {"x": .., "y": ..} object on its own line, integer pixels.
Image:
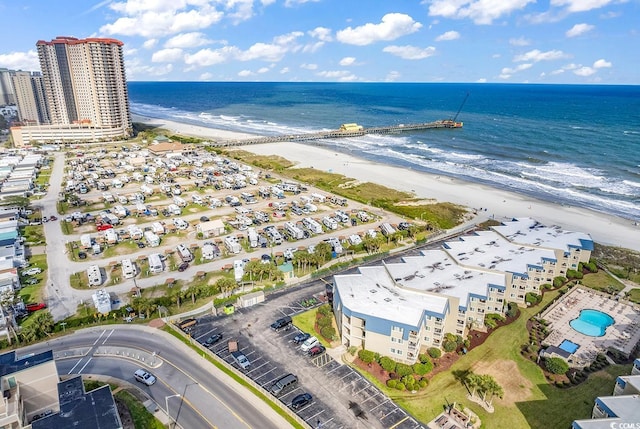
[{"x": 166, "y": 403}]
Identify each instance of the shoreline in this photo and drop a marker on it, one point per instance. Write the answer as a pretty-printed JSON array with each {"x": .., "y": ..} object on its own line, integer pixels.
[{"x": 499, "y": 204}]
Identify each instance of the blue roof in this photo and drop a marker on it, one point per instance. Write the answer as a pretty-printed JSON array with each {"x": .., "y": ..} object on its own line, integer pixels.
[{"x": 9, "y": 364}]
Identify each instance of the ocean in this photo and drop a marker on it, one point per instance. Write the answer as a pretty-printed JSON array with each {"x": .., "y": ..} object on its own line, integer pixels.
[{"x": 577, "y": 145}]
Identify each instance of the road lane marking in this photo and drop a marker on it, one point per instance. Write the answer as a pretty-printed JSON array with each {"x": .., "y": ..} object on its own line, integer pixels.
[
  {"x": 105, "y": 340},
  {"x": 74, "y": 366},
  {"x": 84, "y": 366},
  {"x": 98, "y": 339}
]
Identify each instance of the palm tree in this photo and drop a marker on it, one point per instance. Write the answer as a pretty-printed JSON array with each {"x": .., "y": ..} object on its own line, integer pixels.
[
  {"x": 494, "y": 389},
  {"x": 471, "y": 380},
  {"x": 226, "y": 285}
]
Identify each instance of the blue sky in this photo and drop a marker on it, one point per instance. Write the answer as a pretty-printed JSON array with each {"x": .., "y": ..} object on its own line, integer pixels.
[{"x": 511, "y": 41}]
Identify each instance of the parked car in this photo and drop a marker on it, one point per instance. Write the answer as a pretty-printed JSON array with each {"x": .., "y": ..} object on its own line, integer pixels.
[
  {"x": 301, "y": 400},
  {"x": 82, "y": 255},
  {"x": 212, "y": 340},
  {"x": 308, "y": 344},
  {"x": 204, "y": 219},
  {"x": 183, "y": 266},
  {"x": 52, "y": 218},
  {"x": 144, "y": 377},
  {"x": 140, "y": 245},
  {"x": 32, "y": 271},
  {"x": 317, "y": 350},
  {"x": 301, "y": 338},
  {"x": 282, "y": 323},
  {"x": 31, "y": 281},
  {"x": 35, "y": 307}
]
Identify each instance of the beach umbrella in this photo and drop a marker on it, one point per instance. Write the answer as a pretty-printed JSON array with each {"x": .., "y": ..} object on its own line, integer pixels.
[
  {"x": 142, "y": 257},
  {"x": 201, "y": 274}
]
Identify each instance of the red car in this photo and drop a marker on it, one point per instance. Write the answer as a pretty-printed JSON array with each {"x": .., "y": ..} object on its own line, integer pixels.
[
  {"x": 35, "y": 307},
  {"x": 104, "y": 226}
]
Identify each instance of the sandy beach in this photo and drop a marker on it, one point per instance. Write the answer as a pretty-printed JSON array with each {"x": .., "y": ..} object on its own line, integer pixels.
[{"x": 494, "y": 202}]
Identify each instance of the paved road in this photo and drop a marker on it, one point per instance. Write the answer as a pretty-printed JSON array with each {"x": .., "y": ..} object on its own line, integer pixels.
[{"x": 209, "y": 398}]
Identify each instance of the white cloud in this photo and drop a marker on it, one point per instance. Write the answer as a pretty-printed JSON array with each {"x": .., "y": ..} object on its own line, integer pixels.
[
  {"x": 481, "y": 80},
  {"x": 340, "y": 75},
  {"x": 409, "y": 52},
  {"x": 264, "y": 52},
  {"x": 245, "y": 73},
  {"x": 581, "y": 5},
  {"x": 27, "y": 61},
  {"x": 187, "y": 40},
  {"x": 129, "y": 51},
  {"x": 166, "y": 55},
  {"x": 520, "y": 41},
  {"x": 449, "y": 35},
  {"x": 392, "y": 76},
  {"x": 496, "y": 56},
  {"x": 556, "y": 72},
  {"x": 392, "y": 26},
  {"x": 537, "y": 55},
  {"x": 285, "y": 70},
  {"x": 309, "y": 66},
  {"x": 262, "y": 70},
  {"x": 135, "y": 68},
  {"x": 480, "y": 11},
  {"x": 206, "y": 76},
  {"x": 584, "y": 71},
  {"x": 321, "y": 33},
  {"x": 312, "y": 47},
  {"x": 149, "y": 44},
  {"x": 347, "y": 61},
  {"x": 507, "y": 72},
  {"x": 208, "y": 57},
  {"x": 579, "y": 29},
  {"x": 599, "y": 64},
  {"x": 161, "y": 17}
]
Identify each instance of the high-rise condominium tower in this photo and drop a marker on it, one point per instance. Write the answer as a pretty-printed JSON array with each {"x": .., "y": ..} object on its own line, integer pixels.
[
  {"x": 29, "y": 91},
  {"x": 84, "y": 82}
]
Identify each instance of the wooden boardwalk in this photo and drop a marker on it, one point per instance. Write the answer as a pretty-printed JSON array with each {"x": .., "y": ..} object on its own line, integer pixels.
[{"x": 337, "y": 134}]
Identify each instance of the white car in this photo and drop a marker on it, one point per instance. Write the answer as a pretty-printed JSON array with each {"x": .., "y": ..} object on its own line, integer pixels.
[
  {"x": 309, "y": 343},
  {"x": 31, "y": 272},
  {"x": 144, "y": 377}
]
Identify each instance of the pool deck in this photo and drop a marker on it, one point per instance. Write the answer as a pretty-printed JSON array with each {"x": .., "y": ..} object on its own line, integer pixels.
[{"x": 623, "y": 335}]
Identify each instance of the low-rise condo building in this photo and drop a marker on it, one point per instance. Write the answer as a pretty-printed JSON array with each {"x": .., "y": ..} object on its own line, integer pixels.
[{"x": 399, "y": 309}]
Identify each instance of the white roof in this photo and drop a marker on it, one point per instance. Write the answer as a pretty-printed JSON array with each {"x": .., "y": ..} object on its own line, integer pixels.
[
  {"x": 435, "y": 272},
  {"x": 530, "y": 232},
  {"x": 490, "y": 251},
  {"x": 372, "y": 292}
]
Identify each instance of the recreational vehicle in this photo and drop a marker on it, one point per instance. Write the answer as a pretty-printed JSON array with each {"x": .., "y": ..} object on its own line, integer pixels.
[
  {"x": 94, "y": 275},
  {"x": 128, "y": 269},
  {"x": 330, "y": 222},
  {"x": 295, "y": 232},
  {"x": 152, "y": 239},
  {"x": 252, "y": 235},
  {"x": 232, "y": 244},
  {"x": 155, "y": 263},
  {"x": 184, "y": 253}
]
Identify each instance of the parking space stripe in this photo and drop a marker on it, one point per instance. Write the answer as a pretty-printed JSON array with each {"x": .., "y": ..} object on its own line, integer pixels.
[
  {"x": 381, "y": 403},
  {"x": 396, "y": 425},
  {"x": 315, "y": 415},
  {"x": 258, "y": 367}
]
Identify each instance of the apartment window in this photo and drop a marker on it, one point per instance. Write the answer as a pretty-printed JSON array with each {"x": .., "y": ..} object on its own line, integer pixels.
[
  {"x": 393, "y": 351},
  {"x": 396, "y": 329}
]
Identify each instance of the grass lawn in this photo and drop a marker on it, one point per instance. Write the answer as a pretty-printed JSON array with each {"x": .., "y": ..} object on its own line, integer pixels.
[
  {"x": 33, "y": 234},
  {"x": 634, "y": 295},
  {"x": 34, "y": 293},
  {"x": 79, "y": 280},
  {"x": 142, "y": 419},
  {"x": 122, "y": 248},
  {"x": 601, "y": 281},
  {"x": 529, "y": 400},
  {"x": 306, "y": 323}
]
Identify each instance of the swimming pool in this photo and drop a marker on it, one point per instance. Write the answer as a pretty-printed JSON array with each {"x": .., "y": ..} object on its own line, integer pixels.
[
  {"x": 569, "y": 346},
  {"x": 593, "y": 323}
]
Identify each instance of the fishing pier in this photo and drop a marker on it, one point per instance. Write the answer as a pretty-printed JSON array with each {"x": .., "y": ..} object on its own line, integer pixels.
[{"x": 345, "y": 131}]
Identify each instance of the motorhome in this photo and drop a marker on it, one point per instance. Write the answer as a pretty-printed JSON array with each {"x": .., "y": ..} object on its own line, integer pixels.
[
  {"x": 86, "y": 241},
  {"x": 342, "y": 216},
  {"x": 273, "y": 234},
  {"x": 174, "y": 210},
  {"x": 120, "y": 211},
  {"x": 155, "y": 263},
  {"x": 293, "y": 230},
  {"x": 238, "y": 269},
  {"x": 128, "y": 268},
  {"x": 183, "y": 253},
  {"x": 311, "y": 207},
  {"x": 197, "y": 199},
  {"x": 318, "y": 197},
  {"x": 363, "y": 216},
  {"x": 330, "y": 222},
  {"x": 335, "y": 244},
  {"x": 95, "y": 275},
  {"x": 157, "y": 228},
  {"x": 116, "y": 183},
  {"x": 147, "y": 190},
  {"x": 355, "y": 239},
  {"x": 151, "y": 238},
  {"x": 122, "y": 199},
  {"x": 179, "y": 201},
  {"x": 312, "y": 225},
  {"x": 208, "y": 251},
  {"x": 180, "y": 223},
  {"x": 108, "y": 197},
  {"x": 135, "y": 232},
  {"x": 387, "y": 229},
  {"x": 232, "y": 244},
  {"x": 252, "y": 236}
]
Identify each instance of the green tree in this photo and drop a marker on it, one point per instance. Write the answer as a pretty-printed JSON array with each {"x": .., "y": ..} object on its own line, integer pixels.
[
  {"x": 556, "y": 365},
  {"x": 225, "y": 285}
]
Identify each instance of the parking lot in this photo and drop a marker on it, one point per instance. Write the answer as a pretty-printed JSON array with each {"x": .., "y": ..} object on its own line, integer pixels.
[{"x": 341, "y": 397}]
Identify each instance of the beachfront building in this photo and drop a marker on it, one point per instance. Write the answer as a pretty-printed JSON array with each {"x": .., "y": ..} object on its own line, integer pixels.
[
  {"x": 399, "y": 309},
  {"x": 30, "y": 98},
  {"x": 85, "y": 91},
  {"x": 7, "y": 93},
  {"x": 622, "y": 408}
]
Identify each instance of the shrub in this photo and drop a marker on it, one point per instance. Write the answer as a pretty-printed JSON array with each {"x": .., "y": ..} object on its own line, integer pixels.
[
  {"x": 434, "y": 352},
  {"x": 460, "y": 340},
  {"x": 392, "y": 383},
  {"x": 556, "y": 365},
  {"x": 546, "y": 286},
  {"x": 387, "y": 364},
  {"x": 591, "y": 267},
  {"x": 512, "y": 309},
  {"x": 328, "y": 332},
  {"x": 423, "y": 368},
  {"x": 324, "y": 310},
  {"x": 532, "y": 298},
  {"x": 573, "y": 274},
  {"x": 403, "y": 369},
  {"x": 558, "y": 281},
  {"x": 423, "y": 383},
  {"x": 489, "y": 323},
  {"x": 407, "y": 380},
  {"x": 422, "y": 358},
  {"x": 400, "y": 386},
  {"x": 352, "y": 350},
  {"x": 449, "y": 346},
  {"x": 324, "y": 322},
  {"x": 366, "y": 356}
]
